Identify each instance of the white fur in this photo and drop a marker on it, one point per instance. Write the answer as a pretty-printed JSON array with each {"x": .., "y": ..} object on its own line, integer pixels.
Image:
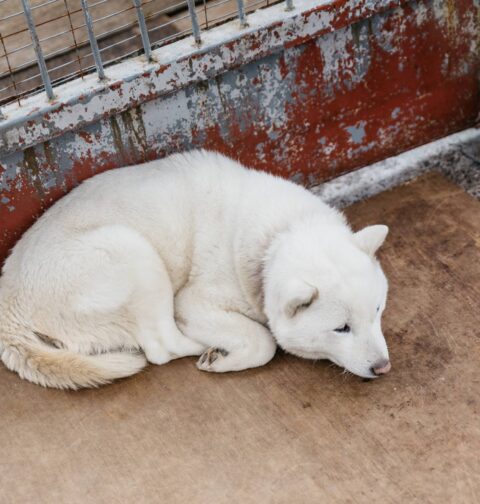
[{"x": 184, "y": 256}]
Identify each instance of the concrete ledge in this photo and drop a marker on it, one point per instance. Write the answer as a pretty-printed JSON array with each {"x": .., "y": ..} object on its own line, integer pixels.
[{"x": 456, "y": 156}]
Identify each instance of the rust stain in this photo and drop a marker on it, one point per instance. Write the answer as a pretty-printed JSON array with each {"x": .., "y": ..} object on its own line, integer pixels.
[
  {"x": 451, "y": 15},
  {"x": 117, "y": 139},
  {"x": 86, "y": 136},
  {"x": 49, "y": 156},
  {"x": 137, "y": 135},
  {"x": 32, "y": 170}
]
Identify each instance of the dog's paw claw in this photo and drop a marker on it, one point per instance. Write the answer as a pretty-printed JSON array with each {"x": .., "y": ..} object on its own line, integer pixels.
[{"x": 206, "y": 360}]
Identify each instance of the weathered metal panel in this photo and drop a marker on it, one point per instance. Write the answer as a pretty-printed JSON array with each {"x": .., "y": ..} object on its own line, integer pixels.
[
  {"x": 308, "y": 110},
  {"x": 176, "y": 66}
]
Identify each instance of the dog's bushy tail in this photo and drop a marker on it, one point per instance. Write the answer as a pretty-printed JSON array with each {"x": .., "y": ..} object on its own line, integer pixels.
[{"x": 38, "y": 362}]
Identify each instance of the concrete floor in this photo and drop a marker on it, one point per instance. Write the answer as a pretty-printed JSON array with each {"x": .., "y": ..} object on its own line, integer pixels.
[{"x": 294, "y": 431}]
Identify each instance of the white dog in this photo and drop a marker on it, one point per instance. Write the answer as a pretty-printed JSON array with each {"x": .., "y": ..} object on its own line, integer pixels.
[{"x": 189, "y": 255}]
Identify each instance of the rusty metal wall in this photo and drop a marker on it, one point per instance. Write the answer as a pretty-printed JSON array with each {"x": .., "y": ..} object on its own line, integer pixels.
[{"x": 317, "y": 107}]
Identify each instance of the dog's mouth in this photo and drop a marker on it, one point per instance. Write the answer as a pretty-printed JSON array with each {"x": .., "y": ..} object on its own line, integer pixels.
[
  {"x": 306, "y": 354},
  {"x": 366, "y": 375}
]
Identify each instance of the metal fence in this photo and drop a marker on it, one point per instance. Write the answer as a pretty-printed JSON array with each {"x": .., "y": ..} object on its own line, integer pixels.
[{"x": 46, "y": 42}]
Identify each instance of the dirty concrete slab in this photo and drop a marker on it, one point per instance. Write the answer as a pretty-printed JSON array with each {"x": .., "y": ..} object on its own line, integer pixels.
[{"x": 294, "y": 430}]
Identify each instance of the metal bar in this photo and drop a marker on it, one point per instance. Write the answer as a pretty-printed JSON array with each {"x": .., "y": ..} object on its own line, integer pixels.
[
  {"x": 17, "y": 49},
  {"x": 215, "y": 3},
  {"x": 113, "y": 14},
  {"x": 172, "y": 9},
  {"x": 205, "y": 13},
  {"x": 94, "y": 4},
  {"x": 159, "y": 42},
  {"x": 229, "y": 15},
  {"x": 71, "y": 12},
  {"x": 115, "y": 44},
  {"x": 10, "y": 71},
  {"x": 15, "y": 14},
  {"x": 30, "y": 62},
  {"x": 43, "y": 4},
  {"x": 241, "y": 13},
  {"x": 8, "y": 87},
  {"x": 173, "y": 21},
  {"x": 165, "y": 10},
  {"x": 194, "y": 20},
  {"x": 289, "y": 4},
  {"x": 147, "y": 47},
  {"x": 236, "y": 11},
  {"x": 93, "y": 41},
  {"x": 38, "y": 50},
  {"x": 77, "y": 43},
  {"x": 33, "y": 77}
]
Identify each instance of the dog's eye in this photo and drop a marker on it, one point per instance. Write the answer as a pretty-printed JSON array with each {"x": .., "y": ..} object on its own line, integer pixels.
[
  {"x": 305, "y": 305},
  {"x": 344, "y": 329},
  {"x": 301, "y": 307}
]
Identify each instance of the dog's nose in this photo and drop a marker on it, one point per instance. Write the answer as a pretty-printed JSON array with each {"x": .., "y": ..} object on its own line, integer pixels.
[{"x": 381, "y": 367}]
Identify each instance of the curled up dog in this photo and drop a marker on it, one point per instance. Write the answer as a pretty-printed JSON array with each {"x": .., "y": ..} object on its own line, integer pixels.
[{"x": 190, "y": 255}]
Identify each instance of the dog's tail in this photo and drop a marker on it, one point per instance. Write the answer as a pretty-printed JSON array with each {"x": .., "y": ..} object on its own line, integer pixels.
[{"x": 44, "y": 364}]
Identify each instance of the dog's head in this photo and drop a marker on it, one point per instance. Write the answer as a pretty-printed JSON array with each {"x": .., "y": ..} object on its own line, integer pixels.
[{"x": 325, "y": 293}]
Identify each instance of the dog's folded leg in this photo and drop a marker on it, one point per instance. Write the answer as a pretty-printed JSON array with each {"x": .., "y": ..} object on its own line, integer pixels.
[
  {"x": 235, "y": 342},
  {"x": 152, "y": 304}
]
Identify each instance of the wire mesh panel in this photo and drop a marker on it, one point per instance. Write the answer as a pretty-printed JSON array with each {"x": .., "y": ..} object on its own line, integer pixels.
[{"x": 121, "y": 28}]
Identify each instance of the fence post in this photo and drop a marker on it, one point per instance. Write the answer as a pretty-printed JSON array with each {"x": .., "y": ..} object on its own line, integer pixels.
[
  {"x": 194, "y": 20},
  {"x": 38, "y": 50},
  {"x": 143, "y": 30},
  {"x": 241, "y": 13},
  {"x": 93, "y": 41}
]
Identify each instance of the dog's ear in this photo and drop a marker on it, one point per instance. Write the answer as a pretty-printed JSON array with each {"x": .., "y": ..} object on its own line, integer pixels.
[
  {"x": 300, "y": 296},
  {"x": 370, "y": 238}
]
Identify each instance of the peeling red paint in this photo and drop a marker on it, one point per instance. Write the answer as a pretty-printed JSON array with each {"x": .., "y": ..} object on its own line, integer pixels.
[
  {"x": 160, "y": 70},
  {"x": 116, "y": 85},
  {"x": 85, "y": 135},
  {"x": 425, "y": 103},
  {"x": 345, "y": 13}
]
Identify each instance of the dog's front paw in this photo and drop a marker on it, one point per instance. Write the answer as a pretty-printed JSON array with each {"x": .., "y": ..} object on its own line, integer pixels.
[{"x": 210, "y": 359}]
